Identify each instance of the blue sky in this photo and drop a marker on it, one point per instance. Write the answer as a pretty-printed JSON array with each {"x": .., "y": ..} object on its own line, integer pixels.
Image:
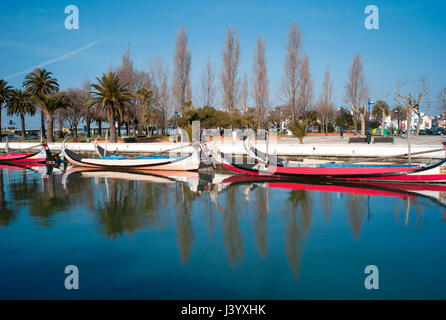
[{"x": 409, "y": 43}]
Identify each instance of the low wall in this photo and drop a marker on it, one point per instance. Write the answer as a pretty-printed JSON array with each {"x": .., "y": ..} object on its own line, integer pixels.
[{"x": 281, "y": 149}]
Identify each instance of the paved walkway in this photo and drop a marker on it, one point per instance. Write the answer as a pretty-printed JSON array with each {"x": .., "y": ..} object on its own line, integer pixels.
[{"x": 414, "y": 140}]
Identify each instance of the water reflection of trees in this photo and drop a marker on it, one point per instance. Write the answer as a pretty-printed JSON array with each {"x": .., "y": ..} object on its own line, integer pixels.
[
  {"x": 125, "y": 206},
  {"x": 208, "y": 196},
  {"x": 122, "y": 207},
  {"x": 402, "y": 210},
  {"x": 183, "y": 225},
  {"x": 297, "y": 222},
  {"x": 260, "y": 220},
  {"x": 327, "y": 204},
  {"x": 39, "y": 195},
  {"x": 231, "y": 228},
  {"x": 355, "y": 207},
  {"x": 6, "y": 214}
]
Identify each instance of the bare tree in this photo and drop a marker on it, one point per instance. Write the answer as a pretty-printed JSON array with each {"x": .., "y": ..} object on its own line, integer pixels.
[
  {"x": 305, "y": 89},
  {"x": 356, "y": 92},
  {"x": 290, "y": 81},
  {"x": 260, "y": 94},
  {"x": 229, "y": 79},
  {"x": 127, "y": 77},
  {"x": 423, "y": 85},
  {"x": 244, "y": 92},
  {"x": 88, "y": 113},
  {"x": 76, "y": 100},
  {"x": 442, "y": 98},
  {"x": 126, "y": 71},
  {"x": 159, "y": 76},
  {"x": 181, "y": 87},
  {"x": 411, "y": 103},
  {"x": 208, "y": 92},
  {"x": 326, "y": 105}
]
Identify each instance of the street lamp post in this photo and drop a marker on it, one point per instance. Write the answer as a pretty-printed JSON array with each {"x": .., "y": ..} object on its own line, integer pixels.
[
  {"x": 342, "y": 121},
  {"x": 176, "y": 126},
  {"x": 370, "y": 102}
]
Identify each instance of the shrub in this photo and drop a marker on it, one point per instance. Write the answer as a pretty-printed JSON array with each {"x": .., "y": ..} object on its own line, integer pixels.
[{"x": 298, "y": 129}]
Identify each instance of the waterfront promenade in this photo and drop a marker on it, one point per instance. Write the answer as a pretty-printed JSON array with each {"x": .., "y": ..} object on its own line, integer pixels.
[{"x": 313, "y": 146}]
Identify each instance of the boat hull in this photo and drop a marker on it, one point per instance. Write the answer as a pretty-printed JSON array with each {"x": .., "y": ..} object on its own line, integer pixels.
[
  {"x": 38, "y": 157},
  {"x": 432, "y": 174},
  {"x": 190, "y": 163}
]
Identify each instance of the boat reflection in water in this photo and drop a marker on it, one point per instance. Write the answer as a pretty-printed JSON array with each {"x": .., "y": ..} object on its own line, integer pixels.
[{"x": 244, "y": 218}]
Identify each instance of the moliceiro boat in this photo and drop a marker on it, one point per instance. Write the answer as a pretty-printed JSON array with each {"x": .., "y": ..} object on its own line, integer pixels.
[
  {"x": 18, "y": 156},
  {"x": 265, "y": 165},
  {"x": 113, "y": 161}
]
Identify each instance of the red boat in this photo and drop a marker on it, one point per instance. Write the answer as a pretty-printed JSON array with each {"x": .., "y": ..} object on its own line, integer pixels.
[
  {"x": 38, "y": 157},
  {"x": 378, "y": 172}
]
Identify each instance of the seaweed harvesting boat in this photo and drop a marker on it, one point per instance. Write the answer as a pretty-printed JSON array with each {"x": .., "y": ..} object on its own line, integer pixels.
[
  {"x": 155, "y": 162},
  {"x": 266, "y": 165},
  {"x": 18, "y": 156}
]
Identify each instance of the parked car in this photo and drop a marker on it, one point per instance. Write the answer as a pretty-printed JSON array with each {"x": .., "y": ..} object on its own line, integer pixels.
[
  {"x": 11, "y": 137},
  {"x": 439, "y": 131},
  {"x": 425, "y": 132}
]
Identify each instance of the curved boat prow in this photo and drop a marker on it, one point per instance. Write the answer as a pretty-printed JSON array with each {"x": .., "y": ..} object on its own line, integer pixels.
[{"x": 170, "y": 163}]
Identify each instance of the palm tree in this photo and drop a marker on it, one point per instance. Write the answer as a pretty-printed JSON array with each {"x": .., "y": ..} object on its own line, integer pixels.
[
  {"x": 41, "y": 84},
  {"x": 381, "y": 110},
  {"x": 111, "y": 96},
  {"x": 21, "y": 104},
  {"x": 5, "y": 93},
  {"x": 50, "y": 105}
]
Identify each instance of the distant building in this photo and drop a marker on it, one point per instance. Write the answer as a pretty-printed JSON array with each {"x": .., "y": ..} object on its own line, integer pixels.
[{"x": 426, "y": 122}]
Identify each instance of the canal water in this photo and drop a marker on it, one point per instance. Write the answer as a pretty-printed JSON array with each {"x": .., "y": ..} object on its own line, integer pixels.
[{"x": 219, "y": 236}]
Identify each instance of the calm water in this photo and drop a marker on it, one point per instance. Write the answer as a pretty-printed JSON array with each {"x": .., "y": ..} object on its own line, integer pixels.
[{"x": 203, "y": 237}]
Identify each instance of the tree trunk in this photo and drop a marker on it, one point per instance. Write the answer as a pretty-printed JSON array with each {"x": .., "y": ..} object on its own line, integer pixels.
[
  {"x": 1, "y": 123},
  {"x": 418, "y": 125},
  {"x": 408, "y": 129},
  {"x": 362, "y": 126},
  {"x": 127, "y": 128},
  {"x": 111, "y": 123},
  {"x": 61, "y": 135},
  {"x": 22, "y": 120},
  {"x": 88, "y": 120},
  {"x": 100, "y": 127},
  {"x": 355, "y": 123},
  {"x": 75, "y": 131},
  {"x": 119, "y": 128},
  {"x": 42, "y": 122},
  {"x": 383, "y": 121},
  {"x": 49, "y": 127}
]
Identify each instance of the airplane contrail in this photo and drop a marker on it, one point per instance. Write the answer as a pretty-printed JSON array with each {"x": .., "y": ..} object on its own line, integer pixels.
[{"x": 62, "y": 57}]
